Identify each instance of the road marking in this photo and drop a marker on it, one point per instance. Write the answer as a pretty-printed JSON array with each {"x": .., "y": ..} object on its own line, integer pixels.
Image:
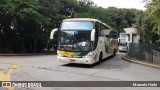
[{"x": 7, "y": 76}]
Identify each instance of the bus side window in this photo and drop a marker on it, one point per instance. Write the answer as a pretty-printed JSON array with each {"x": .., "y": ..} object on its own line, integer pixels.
[
  {"x": 97, "y": 28},
  {"x": 101, "y": 30}
]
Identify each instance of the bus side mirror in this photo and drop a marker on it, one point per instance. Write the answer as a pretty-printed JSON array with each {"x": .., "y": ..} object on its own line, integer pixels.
[
  {"x": 53, "y": 32},
  {"x": 93, "y": 35}
]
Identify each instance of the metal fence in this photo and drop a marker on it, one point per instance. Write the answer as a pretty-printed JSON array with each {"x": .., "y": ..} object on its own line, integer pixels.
[{"x": 145, "y": 52}]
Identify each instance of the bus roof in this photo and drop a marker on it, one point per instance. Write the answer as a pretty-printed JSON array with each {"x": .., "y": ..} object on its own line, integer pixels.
[
  {"x": 86, "y": 19},
  {"x": 81, "y": 19}
]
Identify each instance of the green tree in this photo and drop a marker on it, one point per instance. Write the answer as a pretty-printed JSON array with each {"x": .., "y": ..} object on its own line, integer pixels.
[
  {"x": 148, "y": 22},
  {"x": 25, "y": 25},
  {"x": 145, "y": 25},
  {"x": 21, "y": 26},
  {"x": 153, "y": 11}
]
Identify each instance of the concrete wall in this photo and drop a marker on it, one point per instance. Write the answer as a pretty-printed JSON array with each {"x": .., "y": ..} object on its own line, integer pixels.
[
  {"x": 131, "y": 30},
  {"x": 133, "y": 33}
]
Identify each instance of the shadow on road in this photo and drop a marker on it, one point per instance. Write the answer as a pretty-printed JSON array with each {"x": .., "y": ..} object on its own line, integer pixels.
[{"x": 113, "y": 62}]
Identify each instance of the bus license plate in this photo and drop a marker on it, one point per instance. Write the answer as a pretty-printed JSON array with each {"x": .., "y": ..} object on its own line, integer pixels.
[{"x": 71, "y": 60}]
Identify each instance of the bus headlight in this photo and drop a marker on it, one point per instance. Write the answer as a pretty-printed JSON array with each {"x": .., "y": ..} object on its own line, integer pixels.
[
  {"x": 88, "y": 56},
  {"x": 60, "y": 55}
]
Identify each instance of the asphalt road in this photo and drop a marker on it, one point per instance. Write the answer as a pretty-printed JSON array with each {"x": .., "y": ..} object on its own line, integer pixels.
[{"x": 46, "y": 68}]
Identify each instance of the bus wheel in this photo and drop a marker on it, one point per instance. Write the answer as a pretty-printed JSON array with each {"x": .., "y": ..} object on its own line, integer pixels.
[{"x": 100, "y": 59}]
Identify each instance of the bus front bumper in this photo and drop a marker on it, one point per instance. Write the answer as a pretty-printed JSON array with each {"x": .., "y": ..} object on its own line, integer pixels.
[
  {"x": 123, "y": 48},
  {"x": 89, "y": 60}
]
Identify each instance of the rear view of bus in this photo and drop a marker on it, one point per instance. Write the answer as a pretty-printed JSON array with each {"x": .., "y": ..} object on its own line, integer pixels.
[{"x": 80, "y": 41}]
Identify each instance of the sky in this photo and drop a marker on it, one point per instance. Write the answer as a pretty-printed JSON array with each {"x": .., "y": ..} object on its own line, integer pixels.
[{"x": 138, "y": 4}]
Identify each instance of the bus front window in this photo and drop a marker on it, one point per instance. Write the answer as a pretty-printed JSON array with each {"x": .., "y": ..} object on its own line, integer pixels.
[
  {"x": 75, "y": 41},
  {"x": 75, "y": 36},
  {"x": 122, "y": 42}
]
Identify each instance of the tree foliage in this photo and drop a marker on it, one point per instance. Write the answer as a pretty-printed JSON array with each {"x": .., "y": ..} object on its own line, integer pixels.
[
  {"x": 154, "y": 14},
  {"x": 149, "y": 22},
  {"x": 25, "y": 25}
]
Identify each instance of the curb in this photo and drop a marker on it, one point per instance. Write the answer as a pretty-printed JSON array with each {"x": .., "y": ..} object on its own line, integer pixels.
[
  {"x": 140, "y": 62},
  {"x": 28, "y": 54}
]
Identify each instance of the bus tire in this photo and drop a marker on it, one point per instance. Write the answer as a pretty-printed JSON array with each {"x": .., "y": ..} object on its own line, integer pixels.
[{"x": 100, "y": 59}]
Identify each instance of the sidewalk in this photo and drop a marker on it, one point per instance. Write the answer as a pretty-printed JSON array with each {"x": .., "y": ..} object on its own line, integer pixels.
[{"x": 127, "y": 58}]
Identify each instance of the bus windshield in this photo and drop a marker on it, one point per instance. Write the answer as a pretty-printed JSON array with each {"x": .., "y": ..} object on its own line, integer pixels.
[
  {"x": 122, "y": 42},
  {"x": 81, "y": 25},
  {"x": 75, "y": 40}
]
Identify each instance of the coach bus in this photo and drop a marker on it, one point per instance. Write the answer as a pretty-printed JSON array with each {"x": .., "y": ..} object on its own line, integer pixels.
[
  {"x": 123, "y": 42},
  {"x": 85, "y": 41}
]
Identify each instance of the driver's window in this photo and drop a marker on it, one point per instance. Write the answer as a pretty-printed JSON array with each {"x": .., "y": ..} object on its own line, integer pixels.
[{"x": 97, "y": 28}]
